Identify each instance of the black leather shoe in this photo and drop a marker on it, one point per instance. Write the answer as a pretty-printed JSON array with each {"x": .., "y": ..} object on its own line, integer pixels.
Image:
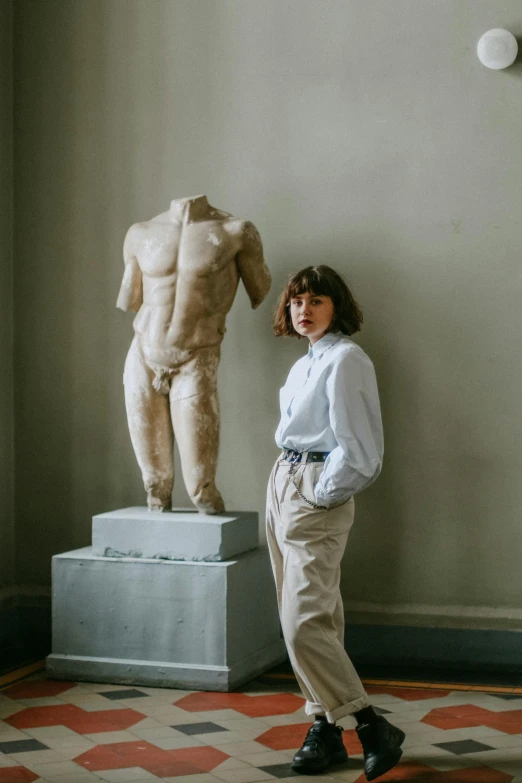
[
  {"x": 381, "y": 745},
  {"x": 323, "y": 746}
]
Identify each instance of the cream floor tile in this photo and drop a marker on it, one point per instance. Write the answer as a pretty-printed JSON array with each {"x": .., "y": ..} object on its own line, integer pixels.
[
  {"x": 60, "y": 744},
  {"x": 225, "y": 737},
  {"x": 447, "y": 763},
  {"x": 51, "y": 732},
  {"x": 238, "y": 724},
  {"x": 11, "y": 735},
  {"x": 157, "y": 732},
  {"x": 427, "y": 751},
  {"x": 417, "y": 728},
  {"x": 93, "y": 704},
  {"x": 239, "y": 749},
  {"x": 76, "y": 750},
  {"x": 473, "y": 732},
  {"x": 6, "y": 710},
  {"x": 108, "y": 737},
  {"x": 147, "y": 723},
  {"x": 158, "y": 709},
  {"x": 286, "y": 720},
  {"x": 48, "y": 701},
  {"x": 76, "y": 690},
  {"x": 505, "y": 741},
  {"x": 416, "y": 739},
  {"x": 128, "y": 775},
  {"x": 52, "y": 771},
  {"x": 204, "y": 777},
  {"x": 214, "y": 715},
  {"x": 264, "y": 692},
  {"x": 267, "y": 757},
  {"x": 384, "y": 699},
  {"x": 342, "y": 774},
  {"x": 243, "y": 775},
  {"x": 79, "y": 777},
  {"x": 315, "y": 778},
  {"x": 175, "y": 743},
  {"x": 491, "y": 757},
  {"x": 426, "y": 704},
  {"x": 6, "y": 761},
  {"x": 414, "y": 715},
  {"x": 28, "y": 759},
  {"x": 172, "y": 694},
  {"x": 231, "y": 763},
  {"x": 400, "y": 706}
]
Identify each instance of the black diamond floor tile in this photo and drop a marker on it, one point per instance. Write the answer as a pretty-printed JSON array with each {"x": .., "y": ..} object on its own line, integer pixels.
[
  {"x": 199, "y": 728},
  {"x": 21, "y": 746},
  {"x": 280, "y": 770},
  {"x": 381, "y": 711},
  {"x": 506, "y": 696},
  {"x": 117, "y": 695},
  {"x": 460, "y": 747}
]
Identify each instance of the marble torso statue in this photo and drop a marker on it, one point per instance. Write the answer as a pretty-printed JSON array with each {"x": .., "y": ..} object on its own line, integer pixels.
[{"x": 182, "y": 270}]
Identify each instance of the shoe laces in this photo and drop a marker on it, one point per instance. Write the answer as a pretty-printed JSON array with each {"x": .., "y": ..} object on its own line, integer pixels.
[{"x": 316, "y": 733}]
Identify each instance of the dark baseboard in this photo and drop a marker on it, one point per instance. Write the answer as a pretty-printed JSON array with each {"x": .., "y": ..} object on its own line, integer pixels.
[
  {"x": 460, "y": 649},
  {"x": 25, "y": 635},
  {"x": 381, "y": 651}
]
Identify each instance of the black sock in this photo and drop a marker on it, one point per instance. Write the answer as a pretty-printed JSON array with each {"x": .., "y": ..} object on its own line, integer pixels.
[
  {"x": 324, "y": 719},
  {"x": 366, "y": 715}
]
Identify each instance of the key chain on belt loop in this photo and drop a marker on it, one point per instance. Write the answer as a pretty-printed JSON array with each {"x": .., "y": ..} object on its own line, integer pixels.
[{"x": 293, "y": 462}]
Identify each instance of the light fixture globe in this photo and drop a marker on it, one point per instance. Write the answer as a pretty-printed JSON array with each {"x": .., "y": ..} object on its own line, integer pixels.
[{"x": 497, "y": 49}]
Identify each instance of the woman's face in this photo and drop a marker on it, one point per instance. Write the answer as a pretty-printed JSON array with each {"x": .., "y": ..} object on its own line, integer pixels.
[{"x": 311, "y": 315}]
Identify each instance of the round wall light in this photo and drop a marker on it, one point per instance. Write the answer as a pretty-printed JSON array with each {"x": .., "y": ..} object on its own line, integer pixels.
[{"x": 497, "y": 49}]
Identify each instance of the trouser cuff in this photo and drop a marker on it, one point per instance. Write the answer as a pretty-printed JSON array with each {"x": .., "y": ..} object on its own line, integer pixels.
[{"x": 313, "y": 708}]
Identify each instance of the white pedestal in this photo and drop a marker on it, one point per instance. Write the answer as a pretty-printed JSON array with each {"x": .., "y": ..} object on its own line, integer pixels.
[
  {"x": 173, "y": 535},
  {"x": 196, "y": 624}
]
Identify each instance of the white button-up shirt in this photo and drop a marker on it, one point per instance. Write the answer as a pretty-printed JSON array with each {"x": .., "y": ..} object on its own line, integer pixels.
[{"x": 330, "y": 403}]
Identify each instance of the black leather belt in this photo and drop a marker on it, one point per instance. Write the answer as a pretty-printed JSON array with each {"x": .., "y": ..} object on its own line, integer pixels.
[{"x": 311, "y": 456}]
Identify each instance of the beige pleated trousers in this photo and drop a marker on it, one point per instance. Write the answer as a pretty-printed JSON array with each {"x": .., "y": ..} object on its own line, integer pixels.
[{"x": 306, "y": 547}]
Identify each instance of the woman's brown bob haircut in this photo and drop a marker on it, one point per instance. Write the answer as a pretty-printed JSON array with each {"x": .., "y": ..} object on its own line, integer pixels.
[{"x": 319, "y": 280}]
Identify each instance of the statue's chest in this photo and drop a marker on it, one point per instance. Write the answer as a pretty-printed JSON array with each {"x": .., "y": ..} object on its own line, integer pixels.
[{"x": 198, "y": 247}]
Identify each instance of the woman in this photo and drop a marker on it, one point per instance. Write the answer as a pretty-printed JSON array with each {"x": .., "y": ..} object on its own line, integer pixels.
[{"x": 331, "y": 436}]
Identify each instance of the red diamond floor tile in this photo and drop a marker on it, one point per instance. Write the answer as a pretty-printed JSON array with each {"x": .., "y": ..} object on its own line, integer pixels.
[
  {"x": 467, "y": 715},
  {"x": 17, "y": 775},
  {"x": 163, "y": 763},
  {"x": 37, "y": 689},
  {"x": 408, "y": 694},
  {"x": 252, "y": 706},
  {"x": 292, "y": 736},
  {"x": 419, "y": 773},
  {"x": 75, "y": 718}
]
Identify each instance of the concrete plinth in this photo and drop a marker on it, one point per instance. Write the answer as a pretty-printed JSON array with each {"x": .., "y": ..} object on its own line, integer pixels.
[
  {"x": 181, "y": 624},
  {"x": 173, "y": 535}
]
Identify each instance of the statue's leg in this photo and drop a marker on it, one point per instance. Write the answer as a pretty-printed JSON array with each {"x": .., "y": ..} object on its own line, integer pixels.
[
  {"x": 194, "y": 408},
  {"x": 150, "y": 429}
]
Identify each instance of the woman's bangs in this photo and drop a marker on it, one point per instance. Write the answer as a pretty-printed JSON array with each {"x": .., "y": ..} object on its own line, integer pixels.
[{"x": 309, "y": 282}]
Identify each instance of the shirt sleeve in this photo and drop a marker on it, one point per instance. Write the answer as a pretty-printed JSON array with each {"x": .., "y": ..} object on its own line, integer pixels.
[{"x": 355, "y": 419}]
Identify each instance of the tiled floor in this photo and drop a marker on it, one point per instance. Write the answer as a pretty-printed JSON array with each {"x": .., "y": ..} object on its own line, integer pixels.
[{"x": 65, "y": 732}]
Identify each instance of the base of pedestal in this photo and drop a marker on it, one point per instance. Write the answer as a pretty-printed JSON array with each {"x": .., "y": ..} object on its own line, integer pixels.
[
  {"x": 179, "y": 624},
  {"x": 165, "y": 675}
]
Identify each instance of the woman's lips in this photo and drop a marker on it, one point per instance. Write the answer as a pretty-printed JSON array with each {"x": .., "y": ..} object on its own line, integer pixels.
[{"x": 304, "y": 322}]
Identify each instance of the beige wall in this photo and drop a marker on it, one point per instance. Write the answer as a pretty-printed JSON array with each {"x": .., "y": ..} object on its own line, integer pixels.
[
  {"x": 7, "y": 564},
  {"x": 360, "y": 133}
]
